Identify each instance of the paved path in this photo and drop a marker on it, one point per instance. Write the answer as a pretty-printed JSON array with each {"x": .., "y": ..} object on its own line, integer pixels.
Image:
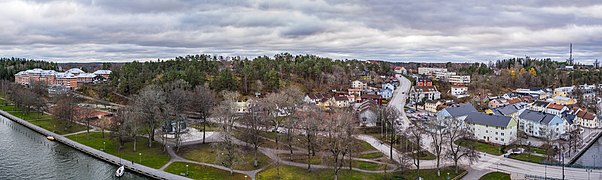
[{"x": 154, "y": 173}]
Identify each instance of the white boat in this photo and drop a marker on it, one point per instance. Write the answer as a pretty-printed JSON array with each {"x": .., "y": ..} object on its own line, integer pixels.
[
  {"x": 120, "y": 171},
  {"x": 50, "y": 138}
]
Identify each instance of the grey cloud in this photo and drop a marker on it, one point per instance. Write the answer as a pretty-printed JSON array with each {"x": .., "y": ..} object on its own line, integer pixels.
[{"x": 115, "y": 30}]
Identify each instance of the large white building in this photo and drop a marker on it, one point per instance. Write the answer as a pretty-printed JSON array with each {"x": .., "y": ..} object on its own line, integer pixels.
[
  {"x": 357, "y": 84},
  {"x": 492, "y": 128},
  {"x": 459, "y": 79},
  {"x": 430, "y": 71},
  {"x": 459, "y": 91},
  {"x": 542, "y": 125}
]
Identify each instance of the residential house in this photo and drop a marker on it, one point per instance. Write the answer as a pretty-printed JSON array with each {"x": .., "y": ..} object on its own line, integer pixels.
[
  {"x": 459, "y": 91},
  {"x": 555, "y": 109},
  {"x": 386, "y": 93},
  {"x": 400, "y": 70},
  {"x": 458, "y": 112},
  {"x": 371, "y": 97},
  {"x": 444, "y": 76},
  {"x": 492, "y": 128},
  {"x": 507, "y": 110},
  {"x": 341, "y": 101},
  {"x": 494, "y": 103},
  {"x": 388, "y": 86},
  {"x": 357, "y": 92},
  {"x": 242, "y": 106},
  {"x": 539, "y": 106},
  {"x": 586, "y": 119},
  {"x": 431, "y": 106},
  {"x": 563, "y": 100},
  {"x": 357, "y": 84},
  {"x": 315, "y": 98},
  {"x": 366, "y": 112},
  {"x": 539, "y": 93},
  {"x": 418, "y": 93},
  {"x": 542, "y": 124},
  {"x": 423, "y": 81},
  {"x": 563, "y": 91}
]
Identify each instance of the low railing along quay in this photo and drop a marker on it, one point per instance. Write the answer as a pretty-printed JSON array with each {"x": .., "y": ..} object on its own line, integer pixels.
[{"x": 138, "y": 168}]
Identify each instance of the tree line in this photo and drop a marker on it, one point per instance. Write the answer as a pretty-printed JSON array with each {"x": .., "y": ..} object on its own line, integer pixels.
[
  {"x": 11, "y": 66},
  {"x": 261, "y": 74}
]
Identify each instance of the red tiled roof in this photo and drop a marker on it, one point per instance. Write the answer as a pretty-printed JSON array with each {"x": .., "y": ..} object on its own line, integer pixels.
[
  {"x": 555, "y": 106},
  {"x": 514, "y": 101}
]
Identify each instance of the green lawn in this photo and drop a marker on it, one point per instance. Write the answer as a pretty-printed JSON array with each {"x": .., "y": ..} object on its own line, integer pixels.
[
  {"x": 425, "y": 155},
  {"x": 207, "y": 153},
  {"x": 196, "y": 171},
  {"x": 373, "y": 155},
  {"x": 317, "y": 160},
  {"x": 483, "y": 147},
  {"x": 43, "y": 120},
  {"x": 296, "y": 173},
  {"x": 153, "y": 157},
  {"x": 528, "y": 158},
  {"x": 495, "y": 176}
]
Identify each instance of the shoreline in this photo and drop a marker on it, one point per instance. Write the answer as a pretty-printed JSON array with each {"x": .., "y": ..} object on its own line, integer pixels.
[{"x": 140, "y": 169}]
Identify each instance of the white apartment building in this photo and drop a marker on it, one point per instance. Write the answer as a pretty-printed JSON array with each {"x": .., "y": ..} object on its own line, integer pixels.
[
  {"x": 492, "y": 128},
  {"x": 459, "y": 79},
  {"x": 430, "y": 71}
]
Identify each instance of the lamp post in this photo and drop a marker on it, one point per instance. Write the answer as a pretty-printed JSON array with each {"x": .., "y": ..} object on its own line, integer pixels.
[
  {"x": 104, "y": 147},
  {"x": 246, "y": 177},
  {"x": 447, "y": 176},
  {"x": 186, "y": 169},
  {"x": 594, "y": 156},
  {"x": 140, "y": 158},
  {"x": 588, "y": 171},
  {"x": 545, "y": 171}
]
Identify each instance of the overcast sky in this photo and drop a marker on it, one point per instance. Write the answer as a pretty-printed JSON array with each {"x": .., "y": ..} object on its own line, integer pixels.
[{"x": 396, "y": 30}]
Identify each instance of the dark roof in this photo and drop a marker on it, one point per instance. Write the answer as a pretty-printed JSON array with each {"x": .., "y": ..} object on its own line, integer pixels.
[
  {"x": 341, "y": 98},
  {"x": 536, "y": 116},
  {"x": 505, "y": 110},
  {"x": 568, "y": 117},
  {"x": 491, "y": 120},
  {"x": 460, "y": 110},
  {"x": 541, "y": 103}
]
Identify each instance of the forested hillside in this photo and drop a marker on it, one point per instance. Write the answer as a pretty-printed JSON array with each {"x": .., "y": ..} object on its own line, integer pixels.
[
  {"x": 261, "y": 74},
  {"x": 10, "y": 66}
]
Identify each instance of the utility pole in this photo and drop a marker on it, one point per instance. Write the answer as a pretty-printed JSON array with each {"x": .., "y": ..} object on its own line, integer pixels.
[{"x": 562, "y": 163}]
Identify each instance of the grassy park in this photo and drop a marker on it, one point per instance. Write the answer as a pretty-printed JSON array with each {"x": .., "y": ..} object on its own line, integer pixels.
[
  {"x": 42, "y": 120},
  {"x": 196, "y": 171},
  {"x": 208, "y": 153},
  {"x": 153, "y": 157},
  {"x": 483, "y": 147},
  {"x": 291, "y": 172},
  {"x": 495, "y": 176}
]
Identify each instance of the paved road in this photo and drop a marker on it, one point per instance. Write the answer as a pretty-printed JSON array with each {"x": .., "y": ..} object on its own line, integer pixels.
[{"x": 399, "y": 99}]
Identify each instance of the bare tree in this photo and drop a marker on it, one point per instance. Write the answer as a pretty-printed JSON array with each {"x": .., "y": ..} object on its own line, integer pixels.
[
  {"x": 414, "y": 134},
  {"x": 203, "y": 100},
  {"x": 255, "y": 124},
  {"x": 129, "y": 122},
  {"x": 309, "y": 117},
  {"x": 339, "y": 138},
  {"x": 437, "y": 135},
  {"x": 65, "y": 109},
  {"x": 178, "y": 99},
  {"x": 151, "y": 103},
  {"x": 459, "y": 146},
  {"x": 225, "y": 115},
  {"x": 388, "y": 115}
]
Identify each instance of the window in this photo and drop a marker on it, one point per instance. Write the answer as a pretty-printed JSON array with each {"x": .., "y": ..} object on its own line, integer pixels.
[
  {"x": 495, "y": 133},
  {"x": 496, "y": 139},
  {"x": 502, "y": 139},
  {"x": 486, "y": 131},
  {"x": 503, "y": 134}
]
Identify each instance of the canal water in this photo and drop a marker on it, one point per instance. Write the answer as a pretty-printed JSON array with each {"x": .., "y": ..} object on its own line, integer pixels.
[
  {"x": 26, "y": 154},
  {"x": 593, "y": 155}
]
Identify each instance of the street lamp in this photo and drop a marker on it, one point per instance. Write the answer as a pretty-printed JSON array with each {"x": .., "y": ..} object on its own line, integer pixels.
[
  {"x": 588, "y": 171},
  {"x": 186, "y": 169},
  {"x": 104, "y": 146},
  {"x": 246, "y": 177},
  {"x": 140, "y": 158},
  {"x": 594, "y": 156}
]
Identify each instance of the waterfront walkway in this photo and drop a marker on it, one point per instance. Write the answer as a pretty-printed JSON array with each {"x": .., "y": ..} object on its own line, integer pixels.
[{"x": 150, "y": 172}]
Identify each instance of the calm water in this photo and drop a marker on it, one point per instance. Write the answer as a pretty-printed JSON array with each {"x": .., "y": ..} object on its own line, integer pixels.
[
  {"x": 25, "y": 154},
  {"x": 588, "y": 157}
]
